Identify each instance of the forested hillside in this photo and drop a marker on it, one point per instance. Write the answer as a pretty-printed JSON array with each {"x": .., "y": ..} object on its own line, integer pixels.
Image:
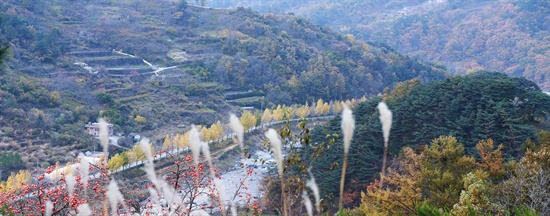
[
  {"x": 507, "y": 36},
  {"x": 231, "y": 47},
  {"x": 476, "y": 107},
  {"x": 156, "y": 67}
]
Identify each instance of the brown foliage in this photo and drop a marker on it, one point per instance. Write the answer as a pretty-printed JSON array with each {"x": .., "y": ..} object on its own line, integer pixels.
[
  {"x": 491, "y": 159},
  {"x": 401, "y": 191}
]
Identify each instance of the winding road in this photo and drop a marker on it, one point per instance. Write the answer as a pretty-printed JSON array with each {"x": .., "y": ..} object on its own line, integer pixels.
[{"x": 227, "y": 136}]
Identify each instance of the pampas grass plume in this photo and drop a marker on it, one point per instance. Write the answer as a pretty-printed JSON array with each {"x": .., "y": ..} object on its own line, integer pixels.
[
  {"x": 206, "y": 151},
  {"x": 233, "y": 209},
  {"x": 238, "y": 128},
  {"x": 276, "y": 144},
  {"x": 84, "y": 210},
  {"x": 313, "y": 186},
  {"x": 199, "y": 213},
  {"x": 307, "y": 203},
  {"x": 221, "y": 189},
  {"x": 70, "y": 180},
  {"x": 49, "y": 208},
  {"x": 104, "y": 137},
  {"x": 146, "y": 148},
  {"x": 386, "y": 119},
  {"x": 84, "y": 170},
  {"x": 273, "y": 137},
  {"x": 154, "y": 195},
  {"x": 114, "y": 196},
  {"x": 195, "y": 143},
  {"x": 221, "y": 192},
  {"x": 348, "y": 125}
]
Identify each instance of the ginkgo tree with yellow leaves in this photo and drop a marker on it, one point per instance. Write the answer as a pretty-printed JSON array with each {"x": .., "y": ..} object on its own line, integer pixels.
[
  {"x": 118, "y": 160},
  {"x": 15, "y": 181},
  {"x": 248, "y": 120},
  {"x": 137, "y": 154}
]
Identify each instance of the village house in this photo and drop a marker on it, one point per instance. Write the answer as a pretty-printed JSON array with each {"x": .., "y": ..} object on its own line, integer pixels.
[{"x": 93, "y": 129}]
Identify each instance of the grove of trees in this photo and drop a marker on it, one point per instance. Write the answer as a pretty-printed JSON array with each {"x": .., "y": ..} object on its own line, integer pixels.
[{"x": 476, "y": 107}]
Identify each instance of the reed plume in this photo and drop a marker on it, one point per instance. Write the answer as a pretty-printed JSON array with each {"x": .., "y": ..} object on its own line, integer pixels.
[
  {"x": 49, "y": 208},
  {"x": 348, "y": 125},
  {"x": 104, "y": 138},
  {"x": 313, "y": 186},
  {"x": 71, "y": 181},
  {"x": 114, "y": 196},
  {"x": 195, "y": 143},
  {"x": 307, "y": 203},
  {"x": 386, "y": 120},
  {"x": 84, "y": 171},
  {"x": 84, "y": 210},
  {"x": 275, "y": 141},
  {"x": 238, "y": 128}
]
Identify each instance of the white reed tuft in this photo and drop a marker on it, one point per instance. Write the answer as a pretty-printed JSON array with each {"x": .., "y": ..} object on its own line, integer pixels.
[
  {"x": 160, "y": 185},
  {"x": 84, "y": 210},
  {"x": 348, "y": 125},
  {"x": 221, "y": 189},
  {"x": 222, "y": 195},
  {"x": 168, "y": 192},
  {"x": 307, "y": 203},
  {"x": 195, "y": 143},
  {"x": 237, "y": 127},
  {"x": 146, "y": 148},
  {"x": 151, "y": 175},
  {"x": 114, "y": 196},
  {"x": 276, "y": 144},
  {"x": 313, "y": 186},
  {"x": 199, "y": 213},
  {"x": 84, "y": 171},
  {"x": 149, "y": 167},
  {"x": 273, "y": 137},
  {"x": 386, "y": 119},
  {"x": 104, "y": 137},
  {"x": 233, "y": 209},
  {"x": 154, "y": 196},
  {"x": 206, "y": 151},
  {"x": 49, "y": 208},
  {"x": 70, "y": 180}
]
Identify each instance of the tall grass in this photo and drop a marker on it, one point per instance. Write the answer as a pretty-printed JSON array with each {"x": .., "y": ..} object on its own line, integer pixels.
[
  {"x": 313, "y": 186},
  {"x": 348, "y": 125},
  {"x": 276, "y": 144},
  {"x": 386, "y": 120}
]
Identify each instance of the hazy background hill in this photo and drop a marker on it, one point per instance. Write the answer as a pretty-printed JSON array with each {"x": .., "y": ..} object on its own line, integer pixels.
[{"x": 510, "y": 36}]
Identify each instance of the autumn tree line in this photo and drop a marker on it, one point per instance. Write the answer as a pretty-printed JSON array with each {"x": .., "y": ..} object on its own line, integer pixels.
[{"x": 248, "y": 119}]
